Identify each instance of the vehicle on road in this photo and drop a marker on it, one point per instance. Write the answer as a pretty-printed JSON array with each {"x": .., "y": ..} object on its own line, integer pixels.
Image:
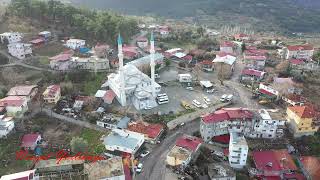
[
  {"x": 144, "y": 153},
  {"x": 182, "y": 124},
  {"x": 190, "y": 88},
  {"x": 229, "y": 97},
  {"x": 223, "y": 98},
  {"x": 210, "y": 91},
  {"x": 186, "y": 105},
  {"x": 196, "y": 103},
  {"x": 157, "y": 76},
  {"x": 148, "y": 108},
  {"x": 139, "y": 168},
  {"x": 162, "y": 98},
  {"x": 204, "y": 106},
  {"x": 207, "y": 100}
]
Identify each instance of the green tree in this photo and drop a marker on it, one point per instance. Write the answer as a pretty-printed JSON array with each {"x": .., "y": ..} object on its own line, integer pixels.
[
  {"x": 167, "y": 62},
  {"x": 78, "y": 145}
]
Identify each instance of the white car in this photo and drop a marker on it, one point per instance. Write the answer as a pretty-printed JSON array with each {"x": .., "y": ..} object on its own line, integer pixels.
[
  {"x": 204, "y": 106},
  {"x": 229, "y": 97},
  {"x": 148, "y": 108},
  {"x": 196, "y": 103},
  {"x": 145, "y": 153},
  {"x": 139, "y": 168},
  {"x": 210, "y": 91},
  {"x": 223, "y": 98},
  {"x": 157, "y": 76},
  {"x": 207, "y": 100},
  {"x": 189, "y": 88}
]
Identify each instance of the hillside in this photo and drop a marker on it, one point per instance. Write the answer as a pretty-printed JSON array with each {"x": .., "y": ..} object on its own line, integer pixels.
[{"x": 284, "y": 15}]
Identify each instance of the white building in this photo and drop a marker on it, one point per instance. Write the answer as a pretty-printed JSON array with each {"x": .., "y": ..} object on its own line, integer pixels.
[
  {"x": 238, "y": 151},
  {"x": 15, "y": 106},
  {"x": 26, "y": 175},
  {"x": 92, "y": 63},
  {"x": 185, "y": 78},
  {"x": 10, "y": 37},
  {"x": 241, "y": 121},
  {"x": 75, "y": 43},
  {"x": 123, "y": 141},
  {"x": 300, "y": 52},
  {"x": 6, "y": 125},
  {"x": 131, "y": 84},
  {"x": 226, "y": 47},
  {"x": 146, "y": 60},
  {"x": 19, "y": 50}
]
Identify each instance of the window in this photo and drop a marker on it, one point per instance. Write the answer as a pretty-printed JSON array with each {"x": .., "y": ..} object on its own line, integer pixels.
[
  {"x": 271, "y": 130},
  {"x": 299, "y": 129},
  {"x": 270, "y": 135}
]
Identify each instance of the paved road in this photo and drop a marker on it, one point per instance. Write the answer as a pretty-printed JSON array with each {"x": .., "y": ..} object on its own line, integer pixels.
[{"x": 154, "y": 164}]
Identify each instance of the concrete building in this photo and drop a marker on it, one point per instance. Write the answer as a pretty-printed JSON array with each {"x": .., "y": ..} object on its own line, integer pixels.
[
  {"x": 142, "y": 42},
  {"x": 75, "y": 43},
  {"x": 225, "y": 64},
  {"x": 238, "y": 150},
  {"x": 303, "y": 120},
  {"x": 19, "y": 50},
  {"x": 27, "y": 91},
  {"x": 52, "y": 94},
  {"x": 146, "y": 60},
  {"x": 259, "y": 125},
  {"x": 110, "y": 121},
  {"x": 219, "y": 171},
  {"x": 299, "y": 52},
  {"x": 121, "y": 142},
  {"x": 25, "y": 175},
  {"x": 184, "y": 151},
  {"x": 251, "y": 75},
  {"x": 92, "y": 63},
  {"x": 151, "y": 132},
  {"x": 15, "y": 106},
  {"x": 226, "y": 47},
  {"x": 6, "y": 125},
  {"x": 10, "y": 37},
  {"x": 62, "y": 61},
  {"x": 310, "y": 167},
  {"x": 130, "y": 84}
]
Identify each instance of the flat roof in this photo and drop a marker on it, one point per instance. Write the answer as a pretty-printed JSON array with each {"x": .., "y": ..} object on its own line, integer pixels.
[
  {"x": 54, "y": 163},
  {"x": 105, "y": 169},
  {"x": 180, "y": 153},
  {"x": 126, "y": 139}
]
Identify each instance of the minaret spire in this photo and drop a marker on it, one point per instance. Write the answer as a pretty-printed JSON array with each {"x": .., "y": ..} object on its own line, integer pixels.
[
  {"x": 123, "y": 98},
  {"x": 152, "y": 64}
]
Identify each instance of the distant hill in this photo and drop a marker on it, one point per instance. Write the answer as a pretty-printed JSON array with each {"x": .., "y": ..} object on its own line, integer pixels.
[{"x": 285, "y": 15}]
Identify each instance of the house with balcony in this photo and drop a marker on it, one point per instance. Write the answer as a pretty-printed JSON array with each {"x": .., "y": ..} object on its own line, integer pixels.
[
  {"x": 299, "y": 52},
  {"x": 75, "y": 43},
  {"x": 238, "y": 150},
  {"x": 20, "y": 50},
  {"x": 14, "y": 106},
  {"x": 52, "y": 94},
  {"x": 27, "y": 91}
]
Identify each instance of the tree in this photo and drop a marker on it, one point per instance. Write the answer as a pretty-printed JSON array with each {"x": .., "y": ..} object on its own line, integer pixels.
[
  {"x": 316, "y": 57},
  {"x": 78, "y": 145},
  {"x": 167, "y": 62},
  {"x": 243, "y": 47},
  {"x": 200, "y": 31}
]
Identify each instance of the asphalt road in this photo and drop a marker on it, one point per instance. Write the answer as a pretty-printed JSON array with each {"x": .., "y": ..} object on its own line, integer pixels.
[{"x": 154, "y": 164}]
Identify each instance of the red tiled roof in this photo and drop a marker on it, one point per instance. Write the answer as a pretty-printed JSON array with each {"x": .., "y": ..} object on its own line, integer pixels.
[
  {"x": 295, "y": 97},
  {"x": 187, "y": 58},
  {"x": 226, "y": 44},
  {"x": 296, "y": 61},
  {"x": 311, "y": 165},
  {"x": 15, "y": 101},
  {"x": 21, "y": 90},
  {"x": 226, "y": 151},
  {"x": 255, "y": 52},
  {"x": 53, "y": 89},
  {"x": 303, "y": 111},
  {"x": 127, "y": 173},
  {"x": 109, "y": 96},
  {"x": 223, "y": 54},
  {"x": 151, "y": 130},
  {"x": 222, "y": 139},
  {"x": 263, "y": 91},
  {"x": 300, "y": 47},
  {"x": 61, "y": 57},
  {"x": 227, "y": 114},
  {"x": 241, "y": 35},
  {"x": 253, "y": 72},
  {"x": 28, "y": 140},
  {"x": 206, "y": 62},
  {"x": 273, "y": 160},
  {"x": 37, "y": 41},
  {"x": 189, "y": 142}
]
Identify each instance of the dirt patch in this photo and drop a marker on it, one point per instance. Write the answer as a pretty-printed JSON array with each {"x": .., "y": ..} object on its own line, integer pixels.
[{"x": 50, "y": 49}]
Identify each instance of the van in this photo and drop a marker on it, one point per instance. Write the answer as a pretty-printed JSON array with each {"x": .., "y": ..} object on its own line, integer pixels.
[{"x": 223, "y": 98}]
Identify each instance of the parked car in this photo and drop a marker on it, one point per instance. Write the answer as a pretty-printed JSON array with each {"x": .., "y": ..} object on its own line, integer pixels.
[
  {"x": 229, "y": 97},
  {"x": 207, "y": 100},
  {"x": 186, "y": 105},
  {"x": 223, "y": 98},
  {"x": 196, "y": 103},
  {"x": 157, "y": 76},
  {"x": 144, "y": 153},
  {"x": 204, "y": 106},
  {"x": 210, "y": 91},
  {"x": 189, "y": 88},
  {"x": 148, "y": 108},
  {"x": 139, "y": 168}
]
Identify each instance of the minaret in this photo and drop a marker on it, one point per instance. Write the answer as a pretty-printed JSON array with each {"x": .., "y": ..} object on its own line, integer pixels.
[
  {"x": 123, "y": 98},
  {"x": 152, "y": 65}
]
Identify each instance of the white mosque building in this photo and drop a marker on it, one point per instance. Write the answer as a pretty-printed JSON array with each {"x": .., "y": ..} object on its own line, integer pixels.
[{"x": 130, "y": 85}]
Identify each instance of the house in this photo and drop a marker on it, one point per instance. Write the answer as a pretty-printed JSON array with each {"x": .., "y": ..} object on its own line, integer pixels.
[
  {"x": 221, "y": 54},
  {"x": 110, "y": 121},
  {"x": 27, "y": 91},
  {"x": 268, "y": 92},
  {"x": 185, "y": 78},
  {"x": 238, "y": 150},
  {"x": 15, "y": 106},
  {"x": 300, "y": 52},
  {"x": 251, "y": 75},
  {"x": 37, "y": 42},
  {"x": 130, "y": 52},
  {"x": 151, "y": 132},
  {"x": 274, "y": 164},
  {"x": 220, "y": 171},
  {"x": 52, "y": 94},
  {"x": 255, "y": 62},
  {"x": 286, "y": 86},
  {"x": 226, "y": 47},
  {"x": 221, "y": 122},
  {"x": 302, "y": 120},
  {"x": 310, "y": 167},
  {"x": 92, "y": 63},
  {"x": 225, "y": 64},
  {"x": 164, "y": 31},
  {"x": 108, "y": 97},
  {"x": 25, "y": 175},
  {"x": 121, "y": 142},
  {"x": 19, "y": 50},
  {"x": 110, "y": 169},
  {"x": 294, "y": 99},
  {"x": 241, "y": 37},
  {"x": 61, "y": 62},
  {"x": 101, "y": 50},
  {"x": 45, "y": 34},
  {"x": 75, "y": 43},
  {"x": 10, "y": 37},
  {"x": 30, "y": 141},
  {"x": 145, "y": 61},
  {"x": 142, "y": 42},
  {"x": 6, "y": 125},
  {"x": 184, "y": 150},
  {"x": 207, "y": 65},
  {"x": 297, "y": 62}
]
